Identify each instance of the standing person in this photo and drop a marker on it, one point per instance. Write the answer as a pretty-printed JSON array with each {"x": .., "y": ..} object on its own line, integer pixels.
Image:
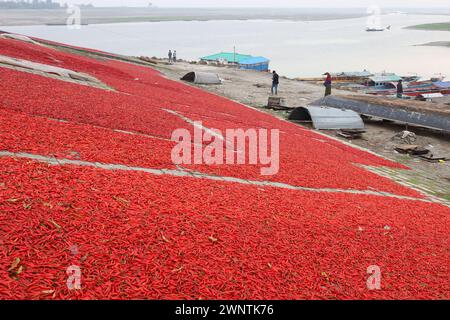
[
  {"x": 400, "y": 89},
  {"x": 175, "y": 56},
  {"x": 327, "y": 84},
  {"x": 275, "y": 83},
  {"x": 170, "y": 56}
]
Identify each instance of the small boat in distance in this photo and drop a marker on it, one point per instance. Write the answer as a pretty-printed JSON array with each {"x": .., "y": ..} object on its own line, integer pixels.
[{"x": 375, "y": 29}]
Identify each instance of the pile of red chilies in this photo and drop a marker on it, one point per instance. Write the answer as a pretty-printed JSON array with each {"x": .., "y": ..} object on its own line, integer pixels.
[{"x": 135, "y": 235}]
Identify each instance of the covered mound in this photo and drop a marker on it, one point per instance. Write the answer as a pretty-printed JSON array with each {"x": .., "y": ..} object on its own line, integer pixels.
[{"x": 202, "y": 78}]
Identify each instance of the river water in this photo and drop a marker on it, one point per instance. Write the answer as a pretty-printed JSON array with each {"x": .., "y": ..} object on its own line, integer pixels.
[{"x": 296, "y": 48}]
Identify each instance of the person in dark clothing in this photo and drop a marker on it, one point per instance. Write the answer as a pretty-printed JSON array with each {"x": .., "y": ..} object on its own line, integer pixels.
[
  {"x": 170, "y": 56},
  {"x": 275, "y": 83},
  {"x": 400, "y": 89},
  {"x": 327, "y": 84}
]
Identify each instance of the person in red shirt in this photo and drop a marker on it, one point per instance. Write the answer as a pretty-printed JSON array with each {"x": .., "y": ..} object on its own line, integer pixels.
[{"x": 327, "y": 84}]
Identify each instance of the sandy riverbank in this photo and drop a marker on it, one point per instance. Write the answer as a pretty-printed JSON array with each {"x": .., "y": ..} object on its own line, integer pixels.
[{"x": 253, "y": 89}]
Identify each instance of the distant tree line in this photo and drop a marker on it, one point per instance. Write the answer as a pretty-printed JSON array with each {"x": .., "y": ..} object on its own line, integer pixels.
[{"x": 33, "y": 4}]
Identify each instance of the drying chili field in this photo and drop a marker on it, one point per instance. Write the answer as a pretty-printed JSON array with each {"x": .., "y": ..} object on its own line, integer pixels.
[{"x": 87, "y": 180}]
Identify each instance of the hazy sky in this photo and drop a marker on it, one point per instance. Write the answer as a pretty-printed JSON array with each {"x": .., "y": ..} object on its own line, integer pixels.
[{"x": 268, "y": 3}]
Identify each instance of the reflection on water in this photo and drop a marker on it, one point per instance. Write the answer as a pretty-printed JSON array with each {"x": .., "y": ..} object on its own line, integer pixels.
[{"x": 295, "y": 48}]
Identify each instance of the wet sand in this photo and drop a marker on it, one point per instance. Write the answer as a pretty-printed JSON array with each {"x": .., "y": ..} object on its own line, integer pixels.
[{"x": 13, "y": 17}]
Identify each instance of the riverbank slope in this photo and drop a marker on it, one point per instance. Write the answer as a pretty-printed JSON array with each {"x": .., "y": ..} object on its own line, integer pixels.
[{"x": 96, "y": 204}]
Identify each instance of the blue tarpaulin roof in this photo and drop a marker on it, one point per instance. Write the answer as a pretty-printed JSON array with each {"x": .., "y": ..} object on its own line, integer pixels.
[
  {"x": 442, "y": 84},
  {"x": 227, "y": 56},
  {"x": 254, "y": 60}
]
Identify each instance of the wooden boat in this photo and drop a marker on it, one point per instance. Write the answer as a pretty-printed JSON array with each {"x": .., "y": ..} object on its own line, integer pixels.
[
  {"x": 377, "y": 29},
  {"x": 411, "y": 92}
]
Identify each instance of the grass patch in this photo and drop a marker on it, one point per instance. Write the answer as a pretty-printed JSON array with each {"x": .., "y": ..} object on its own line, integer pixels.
[{"x": 444, "y": 26}]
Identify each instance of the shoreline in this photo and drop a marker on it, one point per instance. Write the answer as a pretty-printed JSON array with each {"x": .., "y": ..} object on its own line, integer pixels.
[
  {"x": 231, "y": 19},
  {"x": 140, "y": 37},
  {"x": 110, "y": 15},
  {"x": 119, "y": 20},
  {"x": 21, "y": 17}
]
